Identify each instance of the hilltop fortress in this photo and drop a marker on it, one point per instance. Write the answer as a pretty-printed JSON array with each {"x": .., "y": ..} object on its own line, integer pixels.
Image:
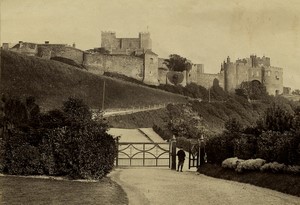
[{"x": 134, "y": 58}]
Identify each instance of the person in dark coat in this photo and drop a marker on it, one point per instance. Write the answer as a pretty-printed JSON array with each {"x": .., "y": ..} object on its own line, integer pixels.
[{"x": 181, "y": 158}]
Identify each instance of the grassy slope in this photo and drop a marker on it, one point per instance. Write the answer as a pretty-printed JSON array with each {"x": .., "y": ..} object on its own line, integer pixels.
[
  {"x": 53, "y": 82},
  {"x": 139, "y": 119}
]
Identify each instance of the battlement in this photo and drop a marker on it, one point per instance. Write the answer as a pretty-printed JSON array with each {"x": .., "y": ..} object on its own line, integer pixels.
[{"x": 126, "y": 46}]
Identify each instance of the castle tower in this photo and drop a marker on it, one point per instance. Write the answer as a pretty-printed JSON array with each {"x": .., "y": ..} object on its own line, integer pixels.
[
  {"x": 145, "y": 41},
  {"x": 108, "y": 40},
  {"x": 273, "y": 80},
  {"x": 229, "y": 76},
  {"x": 150, "y": 74}
]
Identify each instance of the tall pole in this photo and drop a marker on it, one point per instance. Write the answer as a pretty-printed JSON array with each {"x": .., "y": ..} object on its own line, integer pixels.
[
  {"x": 103, "y": 95},
  {"x": 209, "y": 95}
]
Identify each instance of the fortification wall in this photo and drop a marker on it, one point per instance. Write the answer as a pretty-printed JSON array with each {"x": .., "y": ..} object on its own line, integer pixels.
[
  {"x": 29, "y": 49},
  {"x": 206, "y": 80},
  {"x": 127, "y": 65},
  {"x": 49, "y": 51}
]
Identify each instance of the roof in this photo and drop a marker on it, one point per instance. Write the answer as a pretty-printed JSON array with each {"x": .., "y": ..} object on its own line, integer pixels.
[{"x": 148, "y": 51}]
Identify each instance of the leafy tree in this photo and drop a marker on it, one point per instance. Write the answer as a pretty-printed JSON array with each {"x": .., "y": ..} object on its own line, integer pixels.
[
  {"x": 277, "y": 119},
  {"x": 233, "y": 126},
  {"x": 252, "y": 90},
  {"x": 177, "y": 63},
  {"x": 185, "y": 122}
]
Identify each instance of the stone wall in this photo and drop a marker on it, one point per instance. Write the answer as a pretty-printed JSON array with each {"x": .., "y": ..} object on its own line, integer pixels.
[
  {"x": 127, "y": 65},
  {"x": 49, "y": 51},
  {"x": 206, "y": 80}
]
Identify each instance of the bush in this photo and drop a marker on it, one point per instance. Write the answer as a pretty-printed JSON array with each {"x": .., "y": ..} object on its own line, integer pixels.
[
  {"x": 274, "y": 167},
  {"x": 219, "y": 148},
  {"x": 250, "y": 165},
  {"x": 293, "y": 169},
  {"x": 67, "y": 143},
  {"x": 282, "y": 148},
  {"x": 231, "y": 163},
  {"x": 245, "y": 146}
]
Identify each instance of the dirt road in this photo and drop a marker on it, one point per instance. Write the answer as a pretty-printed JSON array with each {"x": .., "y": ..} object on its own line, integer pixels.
[{"x": 164, "y": 186}]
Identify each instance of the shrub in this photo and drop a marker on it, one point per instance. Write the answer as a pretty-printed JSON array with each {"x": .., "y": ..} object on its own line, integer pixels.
[
  {"x": 274, "y": 167},
  {"x": 65, "y": 143},
  {"x": 219, "y": 148},
  {"x": 250, "y": 164},
  {"x": 293, "y": 169},
  {"x": 245, "y": 146},
  {"x": 231, "y": 163},
  {"x": 282, "y": 148}
]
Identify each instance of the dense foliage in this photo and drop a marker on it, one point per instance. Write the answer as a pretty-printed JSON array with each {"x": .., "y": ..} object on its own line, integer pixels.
[
  {"x": 60, "y": 142},
  {"x": 178, "y": 63},
  {"x": 275, "y": 137}
]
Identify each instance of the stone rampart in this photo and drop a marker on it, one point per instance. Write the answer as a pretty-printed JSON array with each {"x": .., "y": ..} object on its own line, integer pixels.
[
  {"x": 130, "y": 66},
  {"x": 49, "y": 51},
  {"x": 207, "y": 80}
]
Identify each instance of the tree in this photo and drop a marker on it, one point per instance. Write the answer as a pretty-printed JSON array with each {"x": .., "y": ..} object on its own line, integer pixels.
[
  {"x": 277, "y": 119},
  {"x": 253, "y": 90},
  {"x": 178, "y": 63}
]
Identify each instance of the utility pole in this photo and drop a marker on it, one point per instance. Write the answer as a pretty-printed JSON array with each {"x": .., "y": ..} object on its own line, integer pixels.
[
  {"x": 209, "y": 95},
  {"x": 103, "y": 95}
]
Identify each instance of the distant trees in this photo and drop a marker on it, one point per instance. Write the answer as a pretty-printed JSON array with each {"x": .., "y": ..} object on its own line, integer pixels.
[{"x": 178, "y": 63}]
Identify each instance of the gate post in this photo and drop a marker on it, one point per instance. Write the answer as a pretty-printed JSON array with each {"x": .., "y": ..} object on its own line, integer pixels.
[
  {"x": 173, "y": 153},
  {"x": 117, "y": 157}
]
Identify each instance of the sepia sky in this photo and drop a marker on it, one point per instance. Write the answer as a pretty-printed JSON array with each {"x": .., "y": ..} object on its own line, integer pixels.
[{"x": 203, "y": 31}]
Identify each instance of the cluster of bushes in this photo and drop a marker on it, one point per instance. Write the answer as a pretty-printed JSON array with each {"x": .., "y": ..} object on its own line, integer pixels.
[
  {"x": 63, "y": 142},
  {"x": 274, "y": 138},
  {"x": 240, "y": 165}
]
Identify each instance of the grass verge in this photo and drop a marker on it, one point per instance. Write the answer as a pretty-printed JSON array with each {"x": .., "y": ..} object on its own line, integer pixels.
[
  {"x": 289, "y": 184},
  {"x": 27, "y": 190}
]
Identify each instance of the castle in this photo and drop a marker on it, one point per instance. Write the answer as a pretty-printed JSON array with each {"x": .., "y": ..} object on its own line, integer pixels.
[{"x": 134, "y": 58}]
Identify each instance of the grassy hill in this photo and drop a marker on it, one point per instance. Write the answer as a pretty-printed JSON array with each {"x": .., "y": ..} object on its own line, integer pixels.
[{"x": 52, "y": 82}]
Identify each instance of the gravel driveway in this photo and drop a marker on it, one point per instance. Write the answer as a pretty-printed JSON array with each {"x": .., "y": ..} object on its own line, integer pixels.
[{"x": 164, "y": 186}]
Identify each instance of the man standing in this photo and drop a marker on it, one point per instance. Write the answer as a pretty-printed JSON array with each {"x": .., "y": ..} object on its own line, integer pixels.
[{"x": 181, "y": 157}]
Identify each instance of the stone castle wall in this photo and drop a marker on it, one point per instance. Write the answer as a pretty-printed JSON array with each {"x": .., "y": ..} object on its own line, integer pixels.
[
  {"x": 127, "y": 65},
  {"x": 49, "y": 51}
]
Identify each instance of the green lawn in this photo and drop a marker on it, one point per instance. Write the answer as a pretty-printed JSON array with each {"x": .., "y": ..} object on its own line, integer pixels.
[{"x": 21, "y": 190}]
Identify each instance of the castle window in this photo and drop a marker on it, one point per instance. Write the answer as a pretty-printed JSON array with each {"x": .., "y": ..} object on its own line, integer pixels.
[
  {"x": 276, "y": 75},
  {"x": 151, "y": 60}
]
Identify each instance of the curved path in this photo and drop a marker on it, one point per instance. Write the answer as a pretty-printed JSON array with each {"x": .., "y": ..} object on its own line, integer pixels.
[{"x": 164, "y": 186}]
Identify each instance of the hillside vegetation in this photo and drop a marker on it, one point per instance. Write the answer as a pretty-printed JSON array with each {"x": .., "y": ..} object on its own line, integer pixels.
[{"x": 52, "y": 82}]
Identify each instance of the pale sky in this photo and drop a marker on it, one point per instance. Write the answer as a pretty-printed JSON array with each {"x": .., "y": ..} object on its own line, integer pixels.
[{"x": 204, "y": 31}]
